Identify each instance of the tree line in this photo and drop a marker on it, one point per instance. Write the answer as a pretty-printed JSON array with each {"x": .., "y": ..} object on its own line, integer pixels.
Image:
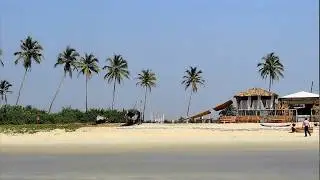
[{"x": 116, "y": 71}]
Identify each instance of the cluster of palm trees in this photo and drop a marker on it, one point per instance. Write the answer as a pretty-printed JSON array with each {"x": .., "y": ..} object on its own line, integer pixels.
[{"x": 116, "y": 71}]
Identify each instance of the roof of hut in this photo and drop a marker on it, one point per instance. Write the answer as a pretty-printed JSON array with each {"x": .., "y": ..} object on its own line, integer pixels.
[
  {"x": 223, "y": 105},
  {"x": 255, "y": 92}
]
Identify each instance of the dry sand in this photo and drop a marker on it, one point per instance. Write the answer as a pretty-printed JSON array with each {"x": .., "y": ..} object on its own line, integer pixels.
[{"x": 157, "y": 137}]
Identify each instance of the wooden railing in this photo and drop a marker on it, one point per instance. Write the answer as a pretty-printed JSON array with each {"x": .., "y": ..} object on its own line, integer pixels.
[
  {"x": 248, "y": 119},
  {"x": 255, "y": 119},
  {"x": 227, "y": 119}
]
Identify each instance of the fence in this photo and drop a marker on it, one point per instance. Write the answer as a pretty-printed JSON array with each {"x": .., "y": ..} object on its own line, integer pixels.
[{"x": 269, "y": 114}]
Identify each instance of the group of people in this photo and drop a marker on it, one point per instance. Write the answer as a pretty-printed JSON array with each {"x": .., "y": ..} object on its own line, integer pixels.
[{"x": 305, "y": 125}]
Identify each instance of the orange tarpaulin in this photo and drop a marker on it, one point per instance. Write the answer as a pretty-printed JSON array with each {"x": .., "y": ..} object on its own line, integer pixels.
[{"x": 223, "y": 106}]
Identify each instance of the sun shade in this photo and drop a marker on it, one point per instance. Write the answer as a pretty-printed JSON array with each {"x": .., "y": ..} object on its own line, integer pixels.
[{"x": 223, "y": 106}]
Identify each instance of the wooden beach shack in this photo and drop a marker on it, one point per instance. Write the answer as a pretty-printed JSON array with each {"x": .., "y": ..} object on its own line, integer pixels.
[
  {"x": 255, "y": 105},
  {"x": 306, "y": 105},
  {"x": 255, "y": 101}
]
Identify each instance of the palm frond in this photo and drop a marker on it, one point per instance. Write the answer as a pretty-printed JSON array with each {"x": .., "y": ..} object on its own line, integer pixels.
[
  {"x": 1, "y": 62},
  {"x": 147, "y": 79},
  {"x": 68, "y": 58},
  {"x": 31, "y": 50},
  {"x": 117, "y": 69},
  {"x": 193, "y": 79},
  {"x": 88, "y": 65},
  {"x": 271, "y": 67}
]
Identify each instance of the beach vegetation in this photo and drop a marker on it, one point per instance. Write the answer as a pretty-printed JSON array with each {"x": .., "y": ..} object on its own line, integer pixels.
[
  {"x": 229, "y": 111},
  {"x": 19, "y": 115},
  {"x": 34, "y": 128}
]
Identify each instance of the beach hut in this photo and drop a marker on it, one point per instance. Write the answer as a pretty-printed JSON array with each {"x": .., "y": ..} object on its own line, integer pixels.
[
  {"x": 250, "y": 105},
  {"x": 305, "y": 103},
  {"x": 255, "y": 101}
]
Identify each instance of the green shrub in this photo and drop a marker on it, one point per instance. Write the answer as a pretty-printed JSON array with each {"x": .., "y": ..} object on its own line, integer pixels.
[{"x": 18, "y": 115}]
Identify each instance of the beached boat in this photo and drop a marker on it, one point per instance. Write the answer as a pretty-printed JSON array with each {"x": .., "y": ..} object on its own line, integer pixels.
[{"x": 275, "y": 125}]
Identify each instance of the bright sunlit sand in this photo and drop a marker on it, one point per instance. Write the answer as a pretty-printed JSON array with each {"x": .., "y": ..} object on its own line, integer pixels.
[{"x": 157, "y": 137}]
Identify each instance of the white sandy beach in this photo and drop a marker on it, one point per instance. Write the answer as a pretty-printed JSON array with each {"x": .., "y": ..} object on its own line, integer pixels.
[{"x": 157, "y": 136}]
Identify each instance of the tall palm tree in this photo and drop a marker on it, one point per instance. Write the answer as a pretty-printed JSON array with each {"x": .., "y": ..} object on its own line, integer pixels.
[
  {"x": 146, "y": 79},
  {"x": 68, "y": 59},
  {"x": 1, "y": 62},
  {"x": 88, "y": 65},
  {"x": 4, "y": 90},
  {"x": 270, "y": 67},
  {"x": 30, "y": 50},
  {"x": 117, "y": 70},
  {"x": 192, "y": 80}
]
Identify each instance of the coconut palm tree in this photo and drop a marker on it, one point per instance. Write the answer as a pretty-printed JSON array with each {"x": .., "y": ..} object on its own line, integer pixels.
[
  {"x": 229, "y": 111},
  {"x": 4, "y": 90},
  {"x": 270, "y": 67},
  {"x": 30, "y": 50},
  {"x": 68, "y": 59},
  {"x": 146, "y": 79},
  {"x": 117, "y": 70},
  {"x": 192, "y": 80},
  {"x": 1, "y": 62},
  {"x": 87, "y": 66}
]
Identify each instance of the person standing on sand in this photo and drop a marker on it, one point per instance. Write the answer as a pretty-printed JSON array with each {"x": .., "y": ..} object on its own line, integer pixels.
[{"x": 306, "y": 126}]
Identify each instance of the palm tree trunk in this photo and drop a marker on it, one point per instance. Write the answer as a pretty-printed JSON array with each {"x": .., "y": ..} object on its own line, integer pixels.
[
  {"x": 145, "y": 101},
  {"x": 86, "y": 93},
  {"x": 114, "y": 92},
  {"x": 270, "y": 83},
  {"x": 5, "y": 99},
  {"x": 55, "y": 95},
  {"x": 189, "y": 105},
  {"x": 24, "y": 77}
]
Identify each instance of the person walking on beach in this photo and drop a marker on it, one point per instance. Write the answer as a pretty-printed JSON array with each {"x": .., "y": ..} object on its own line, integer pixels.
[{"x": 306, "y": 126}]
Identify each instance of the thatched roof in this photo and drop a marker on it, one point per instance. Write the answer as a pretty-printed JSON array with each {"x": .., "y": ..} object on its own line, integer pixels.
[
  {"x": 223, "y": 105},
  {"x": 255, "y": 92},
  {"x": 201, "y": 114}
]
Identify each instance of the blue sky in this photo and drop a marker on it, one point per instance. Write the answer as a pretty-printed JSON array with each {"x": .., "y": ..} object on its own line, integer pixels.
[{"x": 224, "y": 38}]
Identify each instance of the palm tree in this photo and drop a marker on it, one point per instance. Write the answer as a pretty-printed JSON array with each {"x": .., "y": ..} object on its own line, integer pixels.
[
  {"x": 192, "y": 79},
  {"x": 4, "y": 90},
  {"x": 146, "y": 79},
  {"x": 229, "y": 111},
  {"x": 1, "y": 62},
  {"x": 30, "y": 50},
  {"x": 68, "y": 59},
  {"x": 270, "y": 67},
  {"x": 88, "y": 65},
  {"x": 117, "y": 70}
]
